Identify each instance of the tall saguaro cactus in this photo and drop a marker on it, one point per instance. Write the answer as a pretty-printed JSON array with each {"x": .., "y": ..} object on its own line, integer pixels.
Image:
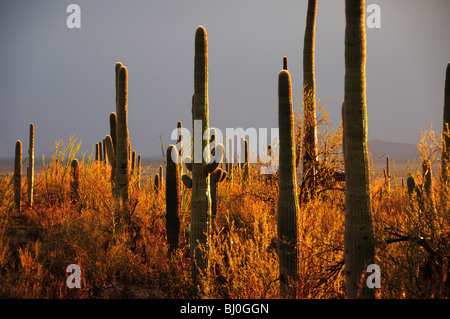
[
  {"x": 18, "y": 174},
  {"x": 30, "y": 168},
  {"x": 446, "y": 129},
  {"x": 173, "y": 198},
  {"x": 288, "y": 207},
  {"x": 122, "y": 147},
  {"x": 358, "y": 235},
  {"x": 309, "y": 100},
  {"x": 201, "y": 200},
  {"x": 200, "y": 166}
]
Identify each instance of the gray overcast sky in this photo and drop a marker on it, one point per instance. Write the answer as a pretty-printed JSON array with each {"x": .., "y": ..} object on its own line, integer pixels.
[{"x": 62, "y": 79}]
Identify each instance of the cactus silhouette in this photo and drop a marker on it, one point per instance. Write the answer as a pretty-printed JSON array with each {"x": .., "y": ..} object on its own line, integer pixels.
[
  {"x": 18, "y": 175},
  {"x": 229, "y": 158},
  {"x": 411, "y": 184},
  {"x": 75, "y": 182},
  {"x": 139, "y": 168},
  {"x": 122, "y": 139},
  {"x": 387, "y": 175},
  {"x": 157, "y": 183},
  {"x": 426, "y": 173},
  {"x": 445, "y": 161},
  {"x": 245, "y": 161},
  {"x": 288, "y": 207},
  {"x": 358, "y": 234},
  {"x": 285, "y": 63},
  {"x": 310, "y": 151},
  {"x": 97, "y": 152},
  {"x": 173, "y": 198},
  {"x": 30, "y": 168},
  {"x": 111, "y": 158}
]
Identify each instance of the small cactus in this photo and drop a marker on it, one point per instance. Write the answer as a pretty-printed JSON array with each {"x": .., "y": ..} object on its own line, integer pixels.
[
  {"x": 111, "y": 157},
  {"x": 97, "y": 152},
  {"x": 173, "y": 198},
  {"x": 30, "y": 168},
  {"x": 446, "y": 132},
  {"x": 387, "y": 175},
  {"x": 18, "y": 175},
  {"x": 426, "y": 173},
  {"x": 75, "y": 182},
  {"x": 229, "y": 158},
  {"x": 411, "y": 184},
  {"x": 139, "y": 167},
  {"x": 112, "y": 151},
  {"x": 246, "y": 163},
  {"x": 157, "y": 183}
]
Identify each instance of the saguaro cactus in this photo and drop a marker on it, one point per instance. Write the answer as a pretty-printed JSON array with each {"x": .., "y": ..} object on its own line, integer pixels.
[
  {"x": 173, "y": 198},
  {"x": 30, "y": 168},
  {"x": 201, "y": 200},
  {"x": 122, "y": 139},
  {"x": 446, "y": 129},
  {"x": 309, "y": 102},
  {"x": 246, "y": 162},
  {"x": 288, "y": 207},
  {"x": 229, "y": 157},
  {"x": 200, "y": 166},
  {"x": 387, "y": 175},
  {"x": 111, "y": 158},
  {"x": 18, "y": 175},
  {"x": 75, "y": 182},
  {"x": 426, "y": 173},
  {"x": 358, "y": 235}
]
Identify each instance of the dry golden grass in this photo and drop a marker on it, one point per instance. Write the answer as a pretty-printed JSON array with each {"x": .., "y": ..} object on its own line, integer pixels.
[{"x": 38, "y": 244}]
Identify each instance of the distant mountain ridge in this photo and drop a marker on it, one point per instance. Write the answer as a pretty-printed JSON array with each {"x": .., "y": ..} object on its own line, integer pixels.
[{"x": 398, "y": 152}]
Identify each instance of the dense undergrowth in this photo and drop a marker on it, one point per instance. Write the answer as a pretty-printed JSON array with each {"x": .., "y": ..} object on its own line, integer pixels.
[{"x": 36, "y": 245}]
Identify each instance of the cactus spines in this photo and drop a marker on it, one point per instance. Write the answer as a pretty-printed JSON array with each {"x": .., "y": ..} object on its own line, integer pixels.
[
  {"x": 122, "y": 139},
  {"x": 359, "y": 248},
  {"x": 310, "y": 149},
  {"x": 30, "y": 168},
  {"x": 173, "y": 198},
  {"x": 75, "y": 182},
  {"x": 446, "y": 129},
  {"x": 288, "y": 207},
  {"x": 18, "y": 175}
]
